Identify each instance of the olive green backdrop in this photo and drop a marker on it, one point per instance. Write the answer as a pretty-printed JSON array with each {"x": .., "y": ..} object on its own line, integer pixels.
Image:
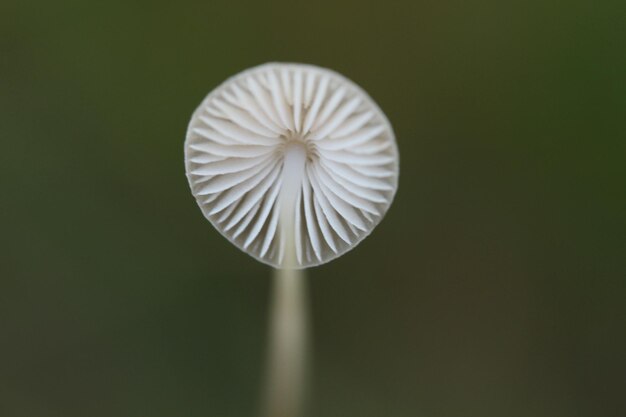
[{"x": 495, "y": 286}]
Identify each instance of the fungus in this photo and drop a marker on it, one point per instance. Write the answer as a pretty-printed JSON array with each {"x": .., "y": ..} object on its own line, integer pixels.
[{"x": 295, "y": 165}]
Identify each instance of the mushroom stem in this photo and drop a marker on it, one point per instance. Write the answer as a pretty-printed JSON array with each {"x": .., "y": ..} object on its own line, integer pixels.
[
  {"x": 294, "y": 164},
  {"x": 287, "y": 361},
  {"x": 288, "y": 316}
]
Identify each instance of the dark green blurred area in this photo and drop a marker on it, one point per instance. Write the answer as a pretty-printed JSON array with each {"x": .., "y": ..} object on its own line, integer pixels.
[{"x": 495, "y": 286}]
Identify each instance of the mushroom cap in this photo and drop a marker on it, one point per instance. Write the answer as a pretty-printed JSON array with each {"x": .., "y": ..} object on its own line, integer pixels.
[{"x": 298, "y": 127}]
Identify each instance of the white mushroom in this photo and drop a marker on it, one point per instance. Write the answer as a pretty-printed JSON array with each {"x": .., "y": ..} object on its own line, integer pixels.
[{"x": 293, "y": 163}]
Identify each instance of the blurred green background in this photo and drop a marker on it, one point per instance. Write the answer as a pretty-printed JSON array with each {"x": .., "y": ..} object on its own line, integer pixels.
[{"x": 495, "y": 286}]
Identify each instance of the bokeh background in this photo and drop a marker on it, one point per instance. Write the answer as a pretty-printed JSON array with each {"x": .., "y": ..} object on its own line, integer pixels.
[{"x": 495, "y": 286}]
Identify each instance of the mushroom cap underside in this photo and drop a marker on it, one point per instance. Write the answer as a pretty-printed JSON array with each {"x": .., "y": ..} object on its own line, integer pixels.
[{"x": 291, "y": 161}]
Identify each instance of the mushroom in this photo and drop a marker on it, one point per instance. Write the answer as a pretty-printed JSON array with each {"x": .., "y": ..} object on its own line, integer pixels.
[
  {"x": 293, "y": 142},
  {"x": 295, "y": 165}
]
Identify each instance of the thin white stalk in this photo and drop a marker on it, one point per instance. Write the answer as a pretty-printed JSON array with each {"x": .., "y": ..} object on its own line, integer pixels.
[
  {"x": 288, "y": 345},
  {"x": 288, "y": 331}
]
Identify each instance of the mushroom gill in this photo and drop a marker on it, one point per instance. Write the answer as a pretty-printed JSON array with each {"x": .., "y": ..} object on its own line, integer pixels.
[{"x": 293, "y": 144}]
